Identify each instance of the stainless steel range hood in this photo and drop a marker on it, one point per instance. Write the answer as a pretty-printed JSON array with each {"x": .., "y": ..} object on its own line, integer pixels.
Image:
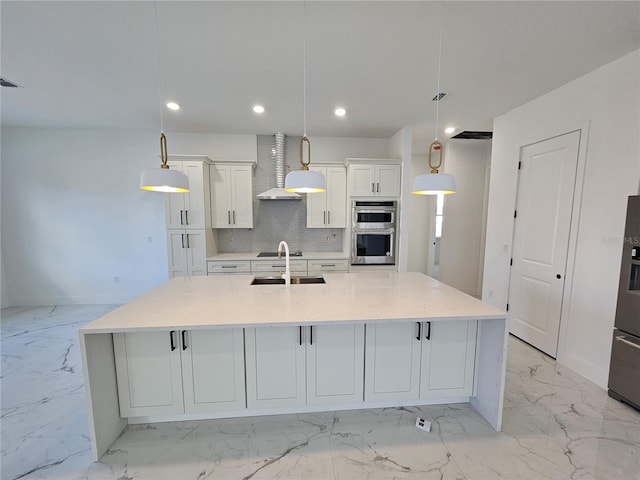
[{"x": 278, "y": 192}]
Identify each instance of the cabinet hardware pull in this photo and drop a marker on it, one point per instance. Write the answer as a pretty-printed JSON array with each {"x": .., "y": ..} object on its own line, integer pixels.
[
  {"x": 181, "y": 220},
  {"x": 373, "y": 187},
  {"x": 329, "y": 217},
  {"x": 428, "y": 335},
  {"x": 182, "y": 238},
  {"x": 328, "y": 265},
  {"x": 622, "y": 339},
  {"x": 324, "y": 217},
  {"x": 234, "y": 217},
  {"x": 229, "y": 217},
  {"x": 311, "y": 335},
  {"x": 184, "y": 339},
  {"x": 188, "y": 243},
  {"x": 173, "y": 345},
  {"x": 300, "y": 334},
  {"x": 419, "y": 331},
  {"x": 378, "y": 187},
  {"x": 229, "y": 266},
  {"x": 186, "y": 217}
]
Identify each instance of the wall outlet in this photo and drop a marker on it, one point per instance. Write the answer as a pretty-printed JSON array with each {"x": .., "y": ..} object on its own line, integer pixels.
[{"x": 422, "y": 424}]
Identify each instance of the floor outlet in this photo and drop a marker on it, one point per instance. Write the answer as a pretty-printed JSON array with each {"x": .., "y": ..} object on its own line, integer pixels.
[{"x": 422, "y": 424}]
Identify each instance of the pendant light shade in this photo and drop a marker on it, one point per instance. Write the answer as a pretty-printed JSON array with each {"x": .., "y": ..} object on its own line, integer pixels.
[
  {"x": 434, "y": 183},
  {"x": 163, "y": 179},
  {"x": 305, "y": 180}
]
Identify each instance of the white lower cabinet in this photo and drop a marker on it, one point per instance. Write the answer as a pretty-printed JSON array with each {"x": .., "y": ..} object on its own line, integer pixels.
[
  {"x": 187, "y": 252},
  {"x": 169, "y": 373},
  {"x": 297, "y": 366},
  {"x": 420, "y": 360}
]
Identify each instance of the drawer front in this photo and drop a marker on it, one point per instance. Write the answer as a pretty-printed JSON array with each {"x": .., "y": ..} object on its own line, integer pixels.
[
  {"x": 319, "y": 266},
  {"x": 277, "y": 265},
  {"x": 217, "y": 267}
]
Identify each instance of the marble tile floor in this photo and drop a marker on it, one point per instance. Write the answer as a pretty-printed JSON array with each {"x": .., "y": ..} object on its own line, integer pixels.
[{"x": 557, "y": 425}]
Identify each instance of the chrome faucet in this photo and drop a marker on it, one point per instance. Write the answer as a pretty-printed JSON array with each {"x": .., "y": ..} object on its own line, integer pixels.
[{"x": 287, "y": 272}]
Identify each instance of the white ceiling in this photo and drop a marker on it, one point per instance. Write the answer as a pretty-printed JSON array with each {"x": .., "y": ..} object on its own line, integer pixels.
[{"x": 93, "y": 64}]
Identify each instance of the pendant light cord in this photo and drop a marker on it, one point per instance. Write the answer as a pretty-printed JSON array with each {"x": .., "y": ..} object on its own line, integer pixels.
[
  {"x": 439, "y": 61},
  {"x": 304, "y": 71},
  {"x": 155, "y": 14}
]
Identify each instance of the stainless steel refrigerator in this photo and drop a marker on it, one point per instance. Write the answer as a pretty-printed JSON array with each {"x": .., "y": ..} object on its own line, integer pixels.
[{"x": 624, "y": 372}]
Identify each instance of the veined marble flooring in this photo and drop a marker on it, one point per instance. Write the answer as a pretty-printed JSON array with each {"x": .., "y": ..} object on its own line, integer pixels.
[{"x": 557, "y": 425}]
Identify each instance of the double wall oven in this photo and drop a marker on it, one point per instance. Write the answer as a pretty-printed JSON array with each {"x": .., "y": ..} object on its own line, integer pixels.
[{"x": 373, "y": 239}]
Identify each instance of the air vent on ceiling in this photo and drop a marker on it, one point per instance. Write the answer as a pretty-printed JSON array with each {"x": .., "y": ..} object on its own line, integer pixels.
[
  {"x": 6, "y": 83},
  {"x": 438, "y": 97},
  {"x": 467, "y": 134}
]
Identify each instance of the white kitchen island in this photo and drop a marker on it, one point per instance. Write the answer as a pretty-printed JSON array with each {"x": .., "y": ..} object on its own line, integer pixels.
[{"x": 213, "y": 347}]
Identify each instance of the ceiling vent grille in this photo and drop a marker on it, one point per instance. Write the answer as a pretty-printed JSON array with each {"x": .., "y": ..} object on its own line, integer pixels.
[
  {"x": 6, "y": 83},
  {"x": 469, "y": 135},
  {"x": 439, "y": 96}
]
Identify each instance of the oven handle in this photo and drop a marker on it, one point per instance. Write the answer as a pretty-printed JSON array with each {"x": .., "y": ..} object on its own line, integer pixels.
[
  {"x": 375, "y": 231},
  {"x": 623, "y": 339}
]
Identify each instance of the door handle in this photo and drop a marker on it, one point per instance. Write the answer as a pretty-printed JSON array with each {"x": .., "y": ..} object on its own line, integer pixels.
[
  {"x": 621, "y": 338},
  {"x": 184, "y": 339},
  {"x": 373, "y": 187},
  {"x": 428, "y": 335},
  {"x": 329, "y": 217},
  {"x": 300, "y": 334},
  {"x": 182, "y": 237},
  {"x": 419, "y": 331},
  {"x": 311, "y": 335},
  {"x": 186, "y": 217},
  {"x": 181, "y": 220},
  {"x": 173, "y": 344},
  {"x": 234, "y": 217},
  {"x": 378, "y": 187},
  {"x": 188, "y": 246},
  {"x": 324, "y": 217},
  {"x": 229, "y": 217}
]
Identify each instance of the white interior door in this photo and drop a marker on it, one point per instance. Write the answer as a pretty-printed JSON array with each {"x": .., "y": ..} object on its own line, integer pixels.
[{"x": 541, "y": 237}]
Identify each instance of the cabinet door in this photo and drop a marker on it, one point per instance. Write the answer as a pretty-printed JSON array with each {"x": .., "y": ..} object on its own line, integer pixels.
[
  {"x": 361, "y": 180},
  {"x": 148, "y": 371},
  {"x": 194, "y": 216},
  {"x": 213, "y": 370},
  {"x": 336, "y": 197},
  {"x": 448, "y": 359},
  {"x": 275, "y": 367},
  {"x": 220, "y": 179},
  {"x": 196, "y": 252},
  {"x": 335, "y": 364},
  {"x": 176, "y": 245},
  {"x": 241, "y": 197},
  {"x": 393, "y": 362},
  {"x": 174, "y": 203},
  {"x": 317, "y": 204},
  {"x": 388, "y": 180}
]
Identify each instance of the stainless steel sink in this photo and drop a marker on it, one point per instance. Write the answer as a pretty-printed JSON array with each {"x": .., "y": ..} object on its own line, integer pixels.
[{"x": 294, "y": 280}]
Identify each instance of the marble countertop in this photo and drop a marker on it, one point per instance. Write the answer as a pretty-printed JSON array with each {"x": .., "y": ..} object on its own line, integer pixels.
[
  {"x": 229, "y": 301},
  {"x": 305, "y": 256}
]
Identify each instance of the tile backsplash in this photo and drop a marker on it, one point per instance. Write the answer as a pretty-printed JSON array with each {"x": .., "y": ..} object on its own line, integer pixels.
[{"x": 276, "y": 220}]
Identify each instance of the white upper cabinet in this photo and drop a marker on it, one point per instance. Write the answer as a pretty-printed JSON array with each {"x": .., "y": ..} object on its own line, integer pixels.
[
  {"x": 232, "y": 195},
  {"x": 329, "y": 209},
  {"x": 371, "y": 178},
  {"x": 189, "y": 210}
]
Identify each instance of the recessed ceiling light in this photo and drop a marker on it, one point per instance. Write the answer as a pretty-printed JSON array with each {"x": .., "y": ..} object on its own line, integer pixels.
[
  {"x": 173, "y": 106},
  {"x": 340, "y": 112},
  {"x": 258, "y": 108},
  {"x": 449, "y": 129}
]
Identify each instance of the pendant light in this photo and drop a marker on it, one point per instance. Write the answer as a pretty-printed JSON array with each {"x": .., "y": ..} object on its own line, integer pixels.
[
  {"x": 162, "y": 179},
  {"x": 305, "y": 180},
  {"x": 434, "y": 183}
]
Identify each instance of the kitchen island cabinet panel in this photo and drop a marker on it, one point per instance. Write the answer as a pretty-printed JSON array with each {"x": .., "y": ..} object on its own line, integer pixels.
[
  {"x": 393, "y": 362},
  {"x": 448, "y": 359},
  {"x": 149, "y": 374},
  {"x": 335, "y": 364},
  {"x": 213, "y": 370},
  {"x": 275, "y": 367}
]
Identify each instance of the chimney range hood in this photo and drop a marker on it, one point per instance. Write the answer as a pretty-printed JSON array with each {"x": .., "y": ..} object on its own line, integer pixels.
[{"x": 278, "y": 192}]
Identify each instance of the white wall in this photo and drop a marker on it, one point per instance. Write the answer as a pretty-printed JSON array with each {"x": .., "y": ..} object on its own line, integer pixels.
[
  {"x": 608, "y": 101},
  {"x": 336, "y": 149},
  {"x": 463, "y": 230},
  {"x": 400, "y": 146}
]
